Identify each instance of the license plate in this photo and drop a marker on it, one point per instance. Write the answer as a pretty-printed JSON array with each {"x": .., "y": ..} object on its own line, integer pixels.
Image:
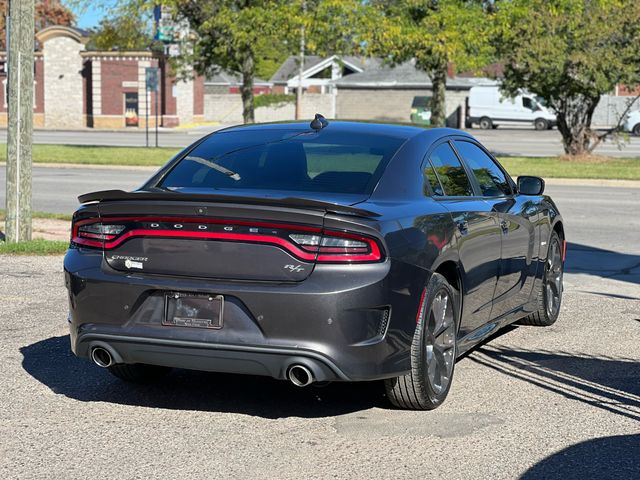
[{"x": 193, "y": 310}]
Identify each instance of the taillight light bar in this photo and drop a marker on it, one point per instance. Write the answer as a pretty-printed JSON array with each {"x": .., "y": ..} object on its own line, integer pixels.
[
  {"x": 334, "y": 246},
  {"x": 305, "y": 242}
]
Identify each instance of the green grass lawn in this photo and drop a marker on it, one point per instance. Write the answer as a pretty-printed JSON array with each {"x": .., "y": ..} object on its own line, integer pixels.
[
  {"x": 35, "y": 247},
  {"x": 53, "y": 216},
  {"x": 131, "y": 156},
  {"x": 548, "y": 167},
  {"x": 555, "y": 167}
]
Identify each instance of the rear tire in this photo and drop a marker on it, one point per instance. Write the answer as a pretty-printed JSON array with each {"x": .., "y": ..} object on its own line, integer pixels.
[
  {"x": 138, "y": 372},
  {"x": 433, "y": 351},
  {"x": 549, "y": 297},
  {"x": 636, "y": 130},
  {"x": 541, "y": 124},
  {"x": 486, "y": 123}
]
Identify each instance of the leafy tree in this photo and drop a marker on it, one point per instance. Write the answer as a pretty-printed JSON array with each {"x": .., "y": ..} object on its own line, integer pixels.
[
  {"x": 269, "y": 57},
  {"x": 47, "y": 13},
  {"x": 570, "y": 52},
  {"x": 227, "y": 35},
  {"x": 434, "y": 33},
  {"x": 235, "y": 34},
  {"x": 123, "y": 32}
]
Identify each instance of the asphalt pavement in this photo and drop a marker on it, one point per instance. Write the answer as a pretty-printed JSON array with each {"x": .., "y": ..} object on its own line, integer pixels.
[
  {"x": 611, "y": 208},
  {"x": 533, "y": 403},
  {"x": 56, "y": 189},
  {"x": 502, "y": 141}
]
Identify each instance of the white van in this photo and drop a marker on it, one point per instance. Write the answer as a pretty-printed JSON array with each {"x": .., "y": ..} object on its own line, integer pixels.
[{"x": 488, "y": 108}]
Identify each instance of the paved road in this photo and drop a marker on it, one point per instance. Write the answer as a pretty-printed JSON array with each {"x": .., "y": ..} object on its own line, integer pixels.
[
  {"x": 57, "y": 189},
  {"x": 166, "y": 137},
  {"x": 534, "y": 403},
  {"x": 561, "y": 402},
  {"x": 502, "y": 141},
  {"x": 548, "y": 143}
]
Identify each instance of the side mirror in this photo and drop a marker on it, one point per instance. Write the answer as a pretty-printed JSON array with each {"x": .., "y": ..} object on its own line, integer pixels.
[{"x": 528, "y": 185}]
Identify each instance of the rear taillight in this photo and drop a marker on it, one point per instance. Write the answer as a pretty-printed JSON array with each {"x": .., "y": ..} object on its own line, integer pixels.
[
  {"x": 305, "y": 242},
  {"x": 100, "y": 231},
  {"x": 92, "y": 232},
  {"x": 335, "y": 246}
]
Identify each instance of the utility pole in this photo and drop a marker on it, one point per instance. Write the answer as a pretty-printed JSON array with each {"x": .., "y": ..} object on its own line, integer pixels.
[
  {"x": 20, "y": 124},
  {"x": 301, "y": 63}
]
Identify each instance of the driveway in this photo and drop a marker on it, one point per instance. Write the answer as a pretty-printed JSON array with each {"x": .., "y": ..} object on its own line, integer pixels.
[
  {"x": 558, "y": 402},
  {"x": 533, "y": 403}
]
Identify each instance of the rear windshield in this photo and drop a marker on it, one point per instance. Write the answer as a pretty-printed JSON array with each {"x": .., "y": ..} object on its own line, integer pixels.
[{"x": 325, "y": 161}]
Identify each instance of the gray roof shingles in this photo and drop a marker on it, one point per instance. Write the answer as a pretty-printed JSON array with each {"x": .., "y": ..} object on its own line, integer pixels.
[
  {"x": 289, "y": 68},
  {"x": 399, "y": 76}
]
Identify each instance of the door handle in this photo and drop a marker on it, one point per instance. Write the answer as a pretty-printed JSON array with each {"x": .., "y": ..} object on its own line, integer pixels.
[{"x": 504, "y": 225}]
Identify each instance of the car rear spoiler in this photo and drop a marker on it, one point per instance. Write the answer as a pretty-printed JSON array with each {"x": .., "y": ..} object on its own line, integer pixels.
[{"x": 294, "y": 202}]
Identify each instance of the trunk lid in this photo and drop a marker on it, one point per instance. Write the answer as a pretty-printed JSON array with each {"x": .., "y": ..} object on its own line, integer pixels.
[
  {"x": 210, "y": 240},
  {"x": 212, "y": 236}
]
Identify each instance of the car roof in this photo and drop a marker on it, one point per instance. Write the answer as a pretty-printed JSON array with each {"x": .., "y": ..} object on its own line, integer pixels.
[{"x": 387, "y": 129}]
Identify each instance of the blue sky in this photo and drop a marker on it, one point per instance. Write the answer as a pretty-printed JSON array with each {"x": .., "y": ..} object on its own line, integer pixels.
[{"x": 91, "y": 15}]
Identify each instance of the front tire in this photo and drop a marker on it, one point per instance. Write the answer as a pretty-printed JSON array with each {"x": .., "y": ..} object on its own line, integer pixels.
[
  {"x": 550, "y": 293},
  {"x": 486, "y": 123},
  {"x": 541, "y": 124},
  {"x": 138, "y": 372},
  {"x": 433, "y": 351}
]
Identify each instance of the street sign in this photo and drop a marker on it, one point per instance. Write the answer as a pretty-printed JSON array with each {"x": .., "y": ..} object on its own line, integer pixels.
[
  {"x": 151, "y": 79},
  {"x": 165, "y": 26}
]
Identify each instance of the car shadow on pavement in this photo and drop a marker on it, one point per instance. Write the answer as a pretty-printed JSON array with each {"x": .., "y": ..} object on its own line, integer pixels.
[
  {"x": 51, "y": 362},
  {"x": 602, "y": 382},
  {"x": 603, "y": 263},
  {"x": 612, "y": 458}
]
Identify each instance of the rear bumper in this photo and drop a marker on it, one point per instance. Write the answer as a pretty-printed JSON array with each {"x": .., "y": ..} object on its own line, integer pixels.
[
  {"x": 334, "y": 322},
  {"x": 253, "y": 360}
]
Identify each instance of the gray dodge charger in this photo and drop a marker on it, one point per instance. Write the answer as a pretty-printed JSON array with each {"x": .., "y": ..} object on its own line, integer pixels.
[{"x": 312, "y": 253}]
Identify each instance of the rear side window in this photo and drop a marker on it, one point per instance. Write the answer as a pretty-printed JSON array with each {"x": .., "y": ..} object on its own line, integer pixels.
[
  {"x": 492, "y": 180},
  {"x": 326, "y": 161},
  {"x": 448, "y": 176}
]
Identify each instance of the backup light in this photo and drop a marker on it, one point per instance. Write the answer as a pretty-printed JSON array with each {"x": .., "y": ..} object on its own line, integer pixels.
[
  {"x": 302, "y": 239},
  {"x": 99, "y": 231}
]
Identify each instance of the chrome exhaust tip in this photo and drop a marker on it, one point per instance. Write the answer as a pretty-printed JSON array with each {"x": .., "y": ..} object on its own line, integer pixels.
[
  {"x": 101, "y": 357},
  {"x": 300, "y": 375}
]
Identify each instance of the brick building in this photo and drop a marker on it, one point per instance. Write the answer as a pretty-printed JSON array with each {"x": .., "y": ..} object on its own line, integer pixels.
[{"x": 76, "y": 88}]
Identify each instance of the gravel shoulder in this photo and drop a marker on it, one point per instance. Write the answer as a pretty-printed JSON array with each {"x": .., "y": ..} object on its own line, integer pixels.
[{"x": 558, "y": 402}]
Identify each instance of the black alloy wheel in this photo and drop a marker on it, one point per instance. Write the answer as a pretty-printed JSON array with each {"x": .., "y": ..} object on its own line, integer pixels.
[
  {"x": 553, "y": 279},
  {"x": 433, "y": 351},
  {"x": 549, "y": 295}
]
